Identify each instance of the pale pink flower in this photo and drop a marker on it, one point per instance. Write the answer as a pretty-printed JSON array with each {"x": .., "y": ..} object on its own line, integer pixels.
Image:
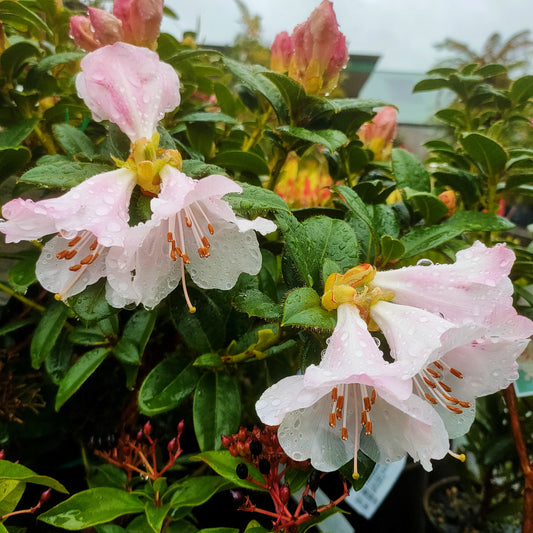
[
  {"x": 88, "y": 219},
  {"x": 135, "y": 22},
  {"x": 353, "y": 400},
  {"x": 191, "y": 227},
  {"x": 129, "y": 86}
]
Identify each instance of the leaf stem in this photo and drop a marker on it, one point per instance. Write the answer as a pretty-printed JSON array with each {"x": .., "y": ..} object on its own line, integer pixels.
[{"x": 21, "y": 298}]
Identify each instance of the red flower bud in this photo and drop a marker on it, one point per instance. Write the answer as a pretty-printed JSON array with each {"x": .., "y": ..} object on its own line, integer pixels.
[
  {"x": 147, "y": 428},
  {"x": 45, "y": 496},
  {"x": 284, "y": 494}
]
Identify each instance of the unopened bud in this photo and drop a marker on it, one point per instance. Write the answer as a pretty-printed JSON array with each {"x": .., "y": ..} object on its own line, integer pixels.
[
  {"x": 2, "y": 455},
  {"x": 147, "y": 428},
  {"x": 45, "y": 496},
  {"x": 284, "y": 494},
  {"x": 181, "y": 426},
  {"x": 171, "y": 446},
  {"x": 242, "y": 435},
  {"x": 226, "y": 441}
]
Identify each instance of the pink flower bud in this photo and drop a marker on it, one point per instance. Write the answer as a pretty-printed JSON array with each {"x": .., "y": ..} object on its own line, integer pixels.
[
  {"x": 147, "y": 428},
  {"x": 45, "y": 496},
  {"x": 82, "y": 33},
  {"x": 379, "y": 134},
  {"x": 171, "y": 446},
  {"x": 319, "y": 51},
  {"x": 107, "y": 27},
  {"x": 282, "y": 49},
  {"x": 141, "y": 20}
]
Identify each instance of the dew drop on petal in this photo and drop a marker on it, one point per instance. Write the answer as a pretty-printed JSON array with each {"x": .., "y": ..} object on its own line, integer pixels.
[{"x": 424, "y": 262}]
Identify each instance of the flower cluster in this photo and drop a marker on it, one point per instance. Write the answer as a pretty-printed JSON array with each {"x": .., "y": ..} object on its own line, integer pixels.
[
  {"x": 191, "y": 226},
  {"x": 315, "y": 53},
  {"x": 453, "y": 335}
]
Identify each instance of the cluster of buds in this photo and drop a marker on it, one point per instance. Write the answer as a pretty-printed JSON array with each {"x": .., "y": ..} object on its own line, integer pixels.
[
  {"x": 132, "y": 21},
  {"x": 137, "y": 454},
  {"x": 261, "y": 449},
  {"x": 315, "y": 53}
]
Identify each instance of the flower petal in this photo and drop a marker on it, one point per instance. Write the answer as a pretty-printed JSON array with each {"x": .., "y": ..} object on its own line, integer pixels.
[
  {"x": 467, "y": 291},
  {"x": 129, "y": 86}
]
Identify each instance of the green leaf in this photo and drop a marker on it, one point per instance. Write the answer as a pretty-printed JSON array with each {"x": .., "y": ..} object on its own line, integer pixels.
[
  {"x": 252, "y": 78},
  {"x": 365, "y": 465},
  {"x": 14, "y": 471},
  {"x": 254, "y": 201},
  {"x": 92, "y": 507},
  {"x": 293, "y": 93},
  {"x": 130, "y": 347},
  {"x": 333, "y": 239},
  {"x": 13, "y": 159},
  {"x": 73, "y": 140},
  {"x": 22, "y": 275},
  {"x": 242, "y": 161},
  {"x": 196, "y": 169},
  {"x": 422, "y": 239},
  {"x": 216, "y": 409},
  {"x": 65, "y": 175},
  {"x": 257, "y": 303},
  {"x": 490, "y": 70},
  {"x": 521, "y": 90},
  {"x": 431, "y": 84},
  {"x": 208, "y": 117},
  {"x": 331, "y": 139},
  {"x": 11, "y": 492},
  {"x": 78, "y": 373},
  {"x": 299, "y": 247},
  {"x": 22, "y": 19},
  {"x": 90, "y": 304},
  {"x": 155, "y": 516},
  {"x": 194, "y": 491},
  {"x": 167, "y": 385},
  {"x": 47, "y": 332},
  {"x": 209, "y": 360},
  {"x": 11, "y": 137},
  {"x": 453, "y": 117},
  {"x": 431, "y": 208},
  {"x": 18, "y": 55},
  {"x": 464, "y": 182},
  {"x": 302, "y": 308},
  {"x": 486, "y": 153},
  {"x": 224, "y": 464},
  {"x": 391, "y": 249},
  {"x": 87, "y": 336},
  {"x": 296, "y": 478},
  {"x": 409, "y": 172}
]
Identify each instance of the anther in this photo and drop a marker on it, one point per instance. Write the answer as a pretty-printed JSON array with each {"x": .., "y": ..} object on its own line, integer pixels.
[
  {"x": 438, "y": 365},
  {"x": 445, "y": 387},
  {"x": 364, "y": 418},
  {"x": 454, "y": 409},
  {"x": 366, "y": 401},
  {"x": 332, "y": 420},
  {"x": 205, "y": 242},
  {"x": 94, "y": 245},
  {"x": 344, "y": 433},
  {"x": 429, "y": 382},
  {"x": 456, "y": 373},
  {"x": 334, "y": 394},
  {"x": 433, "y": 373},
  {"x": 75, "y": 268},
  {"x": 170, "y": 237},
  {"x": 186, "y": 259},
  {"x": 211, "y": 229},
  {"x": 460, "y": 456},
  {"x": 368, "y": 428},
  {"x": 70, "y": 254},
  {"x": 430, "y": 398},
  {"x": 450, "y": 398},
  {"x": 188, "y": 221},
  {"x": 74, "y": 241},
  {"x": 373, "y": 396},
  {"x": 87, "y": 260},
  {"x": 465, "y": 404},
  {"x": 340, "y": 402}
]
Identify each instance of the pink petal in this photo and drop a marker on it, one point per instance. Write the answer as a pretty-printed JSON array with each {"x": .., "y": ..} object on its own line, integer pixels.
[
  {"x": 116, "y": 89},
  {"x": 467, "y": 291},
  {"x": 107, "y": 27}
]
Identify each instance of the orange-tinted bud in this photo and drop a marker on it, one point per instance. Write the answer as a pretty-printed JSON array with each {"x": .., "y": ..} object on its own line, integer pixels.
[
  {"x": 448, "y": 198},
  {"x": 379, "y": 134}
]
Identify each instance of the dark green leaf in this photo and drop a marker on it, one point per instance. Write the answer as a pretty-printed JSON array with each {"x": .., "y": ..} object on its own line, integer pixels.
[
  {"x": 302, "y": 308},
  {"x": 331, "y": 139},
  {"x": 13, "y": 159},
  {"x": 209, "y": 360},
  {"x": 486, "y": 153},
  {"x": 198, "y": 169},
  {"x": 409, "y": 171},
  {"x": 155, "y": 515},
  {"x": 216, "y": 409},
  {"x": 257, "y": 303},
  {"x": 130, "y": 347},
  {"x": 15, "y": 57},
  {"x": 167, "y": 385},
  {"x": 255, "y": 201},
  {"x": 78, "y": 374},
  {"x": 224, "y": 464},
  {"x": 490, "y": 70},
  {"x": 197, "y": 490},
  {"x": 464, "y": 182},
  {"x": 365, "y": 465},
  {"x": 242, "y": 161},
  {"x": 91, "y": 304},
  {"x": 208, "y": 117},
  {"x": 14, "y": 471},
  {"x": 453, "y": 117},
  {"x": 11, "y": 137},
  {"x": 73, "y": 140},
  {"x": 47, "y": 332},
  {"x": 22, "y": 19},
  {"x": 522, "y": 89},
  {"x": 431, "y": 84},
  {"x": 64, "y": 175},
  {"x": 91, "y": 507},
  {"x": 22, "y": 275},
  {"x": 391, "y": 249},
  {"x": 431, "y": 208}
]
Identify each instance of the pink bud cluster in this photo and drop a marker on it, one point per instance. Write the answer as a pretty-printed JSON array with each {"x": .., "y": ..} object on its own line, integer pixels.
[
  {"x": 132, "y": 21},
  {"x": 315, "y": 53}
]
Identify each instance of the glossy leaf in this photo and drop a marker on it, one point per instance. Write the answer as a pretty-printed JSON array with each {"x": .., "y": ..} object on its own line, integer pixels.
[
  {"x": 73, "y": 140},
  {"x": 331, "y": 139},
  {"x": 130, "y": 347},
  {"x": 255, "y": 201},
  {"x": 242, "y": 161},
  {"x": 257, "y": 303},
  {"x": 92, "y": 507},
  {"x": 302, "y": 308},
  {"x": 167, "y": 386},
  {"x": 79, "y": 373},
  {"x": 15, "y": 471},
  {"x": 91, "y": 305},
  {"x": 195, "y": 491},
  {"x": 409, "y": 172},
  {"x": 216, "y": 409},
  {"x": 487, "y": 153}
]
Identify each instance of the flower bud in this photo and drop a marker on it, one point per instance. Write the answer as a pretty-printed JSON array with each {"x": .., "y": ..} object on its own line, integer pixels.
[
  {"x": 242, "y": 435},
  {"x": 2, "y": 455},
  {"x": 82, "y": 33},
  {"x": 281, "y": 52},
  {"x": 171, "y": 446},
  {"x": 141, "y": 20},
  {"x": 147, "y": 428},
  {"x": 284, "y": 493},
  {"x": 379, "y": 134},
  {"x": 45, "y": 496},
  {"x": 448, "y": 198},
  {"x": 107, "y": 28},
  {"x": 226, "y": 441}
]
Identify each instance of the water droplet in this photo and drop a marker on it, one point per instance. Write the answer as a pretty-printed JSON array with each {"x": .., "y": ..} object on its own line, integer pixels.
[
  {"x": 377, "y": 341},
  {"x": 424, "y": 262}
]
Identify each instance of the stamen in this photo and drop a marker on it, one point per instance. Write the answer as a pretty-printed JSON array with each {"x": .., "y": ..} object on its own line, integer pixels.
[
  {"x": 344, "y": 433},
  {"x": 334, "y": 394},
  {"x": 366, "y": 401},
  {"x": 438, "y": 365},
  {"x": 211, "y": 229},
  {"x": 430, "y": 398},
  {"x": 170, "y": 237},
  {"x": 454, "y": 409},
  {"x": 373, "y": 397},
  {"x": 433, "y": 373},
  {"x": 451, "y": 399},
  {"x": 205, "y": 242},
  {"x": 340, "y": 404},
  {"x": 75, "y": 268},
  {"x": 87, "y": 260},
  {"x": 429, "y": 382},
  {"x": 466, "y": 405},
  {"x": 74, "y": 241},
  {"x": 456, "y": 373},
  {"x": 188, "y": 221},
  {"x": 445, "y": 387},
  {"x": 93, "y": 245},
  {"x": 460, "y": 456},
  {"x": 368, "y": 428},
  {"x": 332, "y": 422},
  {"x": 191, "y": 307}
]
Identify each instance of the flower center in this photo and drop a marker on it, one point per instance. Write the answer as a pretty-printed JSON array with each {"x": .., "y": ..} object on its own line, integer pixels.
[
  {"x": 360, "y": 398},
  {"x": 430, "y": 384},
  {"x": 81, "y": 251},
  {"x": 185, "y": 224}
]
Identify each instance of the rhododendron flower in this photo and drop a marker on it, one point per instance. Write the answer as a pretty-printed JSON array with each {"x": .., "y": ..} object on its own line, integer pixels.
[
  {"x": 354, "y": 400},
  {"x": 133, "y": 21},
  {"x": 129, "y": 86},
  {"x": 315, "y": 53},
  {"x": 452, "y": 333},
  {"x": 378, "y": 135},
  {"x": 191, "y": 227},
  {"x": 89, "y": 219}
]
